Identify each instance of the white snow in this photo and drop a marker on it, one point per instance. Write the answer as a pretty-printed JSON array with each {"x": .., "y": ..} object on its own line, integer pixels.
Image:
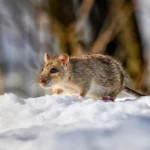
[{"x": 60, "y": 122}]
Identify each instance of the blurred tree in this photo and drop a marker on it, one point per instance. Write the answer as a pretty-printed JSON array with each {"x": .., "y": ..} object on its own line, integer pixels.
[
  {"x": 110, "y": 27},
  {"x": 1, "y": 83},
  {"x": 130, "y": 40},
  {"x": 121, "y": 27}
]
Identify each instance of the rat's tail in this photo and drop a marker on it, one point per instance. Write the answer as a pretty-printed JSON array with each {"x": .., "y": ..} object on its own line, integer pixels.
[{"x": 133, "y": 92}]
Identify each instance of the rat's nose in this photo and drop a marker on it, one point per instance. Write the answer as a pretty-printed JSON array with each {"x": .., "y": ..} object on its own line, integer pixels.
[{"x": 42, "y": 82}]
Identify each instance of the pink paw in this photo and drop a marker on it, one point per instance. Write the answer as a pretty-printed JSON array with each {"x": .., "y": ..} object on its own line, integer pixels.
[{"x": 108, "y": 98}]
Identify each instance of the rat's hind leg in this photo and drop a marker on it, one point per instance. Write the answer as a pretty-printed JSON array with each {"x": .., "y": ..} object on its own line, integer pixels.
[
  {"x": 109, "y": 95},
  {"x": 106, "y": 98}
]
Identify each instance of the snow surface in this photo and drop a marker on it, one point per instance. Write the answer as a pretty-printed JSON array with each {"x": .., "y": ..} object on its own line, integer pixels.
[{"x": 60, "y": 122}]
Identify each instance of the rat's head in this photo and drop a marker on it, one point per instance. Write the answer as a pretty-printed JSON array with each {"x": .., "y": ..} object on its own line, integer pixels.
[{"x": 54, "y": 70}]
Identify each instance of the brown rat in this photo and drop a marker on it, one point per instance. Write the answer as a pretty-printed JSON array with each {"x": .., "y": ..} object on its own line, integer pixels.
[{"x": 97, "y": 76}]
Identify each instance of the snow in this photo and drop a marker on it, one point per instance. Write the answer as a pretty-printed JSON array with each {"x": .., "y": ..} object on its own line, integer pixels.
[{"x": 59, "y": 122}]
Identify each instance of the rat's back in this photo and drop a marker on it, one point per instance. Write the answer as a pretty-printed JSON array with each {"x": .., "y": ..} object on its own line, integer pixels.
[{"x": 99, "y": 70}]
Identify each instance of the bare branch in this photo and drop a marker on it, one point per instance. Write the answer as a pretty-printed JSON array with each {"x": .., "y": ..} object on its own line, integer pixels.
[
  {"x": 80, "y": 22},
  {"x": 111, "y": 28}
]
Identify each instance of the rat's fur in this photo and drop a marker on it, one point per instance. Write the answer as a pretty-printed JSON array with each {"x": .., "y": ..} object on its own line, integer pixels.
[{"x": 93, "y": 75}]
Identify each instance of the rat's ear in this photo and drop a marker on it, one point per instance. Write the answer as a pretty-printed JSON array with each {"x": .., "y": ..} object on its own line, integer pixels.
[
  {"x": 46, "y": 57},
  {"x": 64, "y": 58}
]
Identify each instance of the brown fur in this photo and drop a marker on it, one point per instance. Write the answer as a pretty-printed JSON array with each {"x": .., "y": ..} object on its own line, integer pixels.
[{"x": 79, "y": 74}]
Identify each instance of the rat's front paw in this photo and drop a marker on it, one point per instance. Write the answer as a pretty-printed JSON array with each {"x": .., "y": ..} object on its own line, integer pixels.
[{"x": 57, "y": 91}]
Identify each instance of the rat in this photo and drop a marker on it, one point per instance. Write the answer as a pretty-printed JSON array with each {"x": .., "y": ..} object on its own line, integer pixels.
[{"x": 95, "y": 75}]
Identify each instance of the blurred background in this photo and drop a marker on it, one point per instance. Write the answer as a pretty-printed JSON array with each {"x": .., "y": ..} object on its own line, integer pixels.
[{"x": 29, "y": 28}]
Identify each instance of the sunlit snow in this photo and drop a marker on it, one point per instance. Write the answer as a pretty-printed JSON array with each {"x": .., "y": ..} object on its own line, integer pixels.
[{"x": 61, "y": 122}]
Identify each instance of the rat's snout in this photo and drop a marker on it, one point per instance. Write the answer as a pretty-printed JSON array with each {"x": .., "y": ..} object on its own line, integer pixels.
[{"x": 44, "y": 81}]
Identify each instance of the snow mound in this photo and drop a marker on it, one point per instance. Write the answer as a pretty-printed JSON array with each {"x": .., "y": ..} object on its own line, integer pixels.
[{"x": 61, "y": 122}]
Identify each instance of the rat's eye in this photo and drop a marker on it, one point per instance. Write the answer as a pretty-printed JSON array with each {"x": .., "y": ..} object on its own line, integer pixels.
[{"x": 53, "y": 70}]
